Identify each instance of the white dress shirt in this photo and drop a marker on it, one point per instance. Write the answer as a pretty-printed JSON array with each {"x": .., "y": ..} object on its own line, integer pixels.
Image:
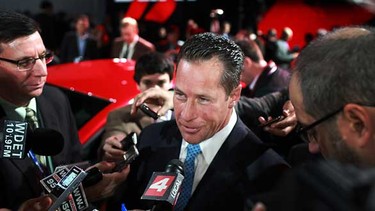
[
  {"x": 209, "y": 148},
  {"x": 131, "y": 48}
]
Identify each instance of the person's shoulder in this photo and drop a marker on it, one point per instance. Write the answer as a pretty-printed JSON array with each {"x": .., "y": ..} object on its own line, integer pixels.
[
  {"x": 125, "y": 109},
  {"x": 117, "y": 40},
  {"x": 146, "y": 43},
  {"x": 166, "y": 130},
  {"x": 163, "y": 127},
  {"x": 50, "y": 90},
  {"x": 283, "y": 71},
  {"x": 70, "y": 34}
]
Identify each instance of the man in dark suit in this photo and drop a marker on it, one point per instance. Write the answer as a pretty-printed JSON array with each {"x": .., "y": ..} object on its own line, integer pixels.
[
  {"x": 232, "y": 164},
  {"x": 16, "y": 172},
  {"x": 260, "y": 77},
  {"x": 79, "y": 45},
  {"x": 23, "y": 73},
  {"x": 130, "y": 45}
]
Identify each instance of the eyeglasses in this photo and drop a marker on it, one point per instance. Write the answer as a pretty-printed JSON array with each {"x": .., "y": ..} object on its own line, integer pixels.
[
  {"x": 306, "y": 134},
  {"x": 28, "y": 64}
]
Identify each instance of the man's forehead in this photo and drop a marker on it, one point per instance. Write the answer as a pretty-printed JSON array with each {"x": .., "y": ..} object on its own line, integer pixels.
[{"x": 154, "y": 76}]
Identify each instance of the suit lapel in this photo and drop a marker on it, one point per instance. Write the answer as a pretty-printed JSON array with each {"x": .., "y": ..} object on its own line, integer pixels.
[
  {"x": 30, "y": 173},
  {"x": 45, "y": 109}
]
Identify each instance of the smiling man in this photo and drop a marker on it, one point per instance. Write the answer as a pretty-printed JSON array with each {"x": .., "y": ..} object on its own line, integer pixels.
[{"x": 230, "y": 164}]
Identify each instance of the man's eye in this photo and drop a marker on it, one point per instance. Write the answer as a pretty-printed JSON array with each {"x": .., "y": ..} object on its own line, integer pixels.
[
  {"x": 25, "y": 63},
  {"x": 179, "y": 96},
  {"x": 161, "y": 83},
  {"x": 203, "y": 100}
]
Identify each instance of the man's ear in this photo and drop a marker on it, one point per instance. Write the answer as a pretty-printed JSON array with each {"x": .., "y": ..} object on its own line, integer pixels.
[
  {"x": 247, "y": 61},
  {"x": 235, "y": 96},
  {"x": 357, "y": 126}
]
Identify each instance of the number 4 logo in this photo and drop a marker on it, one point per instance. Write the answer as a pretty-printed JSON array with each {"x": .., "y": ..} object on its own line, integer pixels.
[{"x": 159, "y": 185}]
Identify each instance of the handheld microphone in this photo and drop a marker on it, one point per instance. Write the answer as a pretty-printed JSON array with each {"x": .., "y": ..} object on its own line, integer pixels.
[
  {"x": 78, "y": 201},
  {"x": 71, "y": 180},
  {"x": 164, "y": 187},
  {"x": 17, "y": 140},
  {"x": 45, "y": 141}
]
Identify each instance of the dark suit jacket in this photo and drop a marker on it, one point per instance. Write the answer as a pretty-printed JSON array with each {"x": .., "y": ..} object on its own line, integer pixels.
[
  {"x": 242, "y": 167},
  {"x": 18, "y": 178},
  {"x": 141, "y": 47},
  {"x": 69, "y": 48},
  {"x": 268, "y": 82}
]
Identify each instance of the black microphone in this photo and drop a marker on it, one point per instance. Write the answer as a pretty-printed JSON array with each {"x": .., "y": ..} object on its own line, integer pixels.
[
  {"x": 45, "y": 141},
  {"x": 17, "y": 139},
  {"x": 164, "y": 187}
]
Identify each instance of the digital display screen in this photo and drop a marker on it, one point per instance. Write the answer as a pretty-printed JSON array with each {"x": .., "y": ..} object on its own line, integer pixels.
[{"x": 68, "y": 179}]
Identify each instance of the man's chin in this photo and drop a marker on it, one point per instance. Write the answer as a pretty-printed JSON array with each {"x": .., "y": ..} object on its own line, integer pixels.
[
  {"x": 36, "y": 92},
  {"x": 192, "y": 139}
]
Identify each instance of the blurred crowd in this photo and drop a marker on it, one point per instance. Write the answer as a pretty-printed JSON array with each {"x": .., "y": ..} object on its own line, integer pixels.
[{"x": 74, "y": 39}]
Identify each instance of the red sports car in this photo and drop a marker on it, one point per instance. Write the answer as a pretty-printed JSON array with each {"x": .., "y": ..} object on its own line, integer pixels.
[{"x": 94, "y": 89}]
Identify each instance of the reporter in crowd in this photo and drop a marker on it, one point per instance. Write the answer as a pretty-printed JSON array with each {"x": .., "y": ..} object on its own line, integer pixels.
[
  {"x": 151, "y": 70},
  {"x": 260, "y": 78},
  {"x": 23, "y": 72},
  {"x": 130, "y": 45}
]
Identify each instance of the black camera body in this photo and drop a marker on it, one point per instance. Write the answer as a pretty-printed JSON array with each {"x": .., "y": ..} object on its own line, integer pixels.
[{"x": 131, "y": 151}]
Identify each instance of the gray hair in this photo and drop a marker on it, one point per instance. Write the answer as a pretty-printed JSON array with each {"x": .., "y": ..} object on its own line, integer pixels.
[{"x": 337, "y": 69}]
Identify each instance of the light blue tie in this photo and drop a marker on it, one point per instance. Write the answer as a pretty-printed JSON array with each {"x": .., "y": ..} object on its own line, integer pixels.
[{"x": 189, "y": 168}]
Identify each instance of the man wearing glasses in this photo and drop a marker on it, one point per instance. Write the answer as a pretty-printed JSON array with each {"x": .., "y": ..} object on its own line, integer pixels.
[
  {"x": 332, "y": 90},
  {"x": 23, "y": 73}
]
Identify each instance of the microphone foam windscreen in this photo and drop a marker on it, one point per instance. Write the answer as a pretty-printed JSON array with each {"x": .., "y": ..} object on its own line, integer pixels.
[{"x": 44, "y": 141}]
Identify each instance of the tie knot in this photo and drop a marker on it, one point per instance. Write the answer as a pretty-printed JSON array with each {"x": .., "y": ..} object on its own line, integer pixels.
[
  {"x": 31, "y": 118},
  {"x": 30, "y": 112},
  {"x": 192, "y": 151}
]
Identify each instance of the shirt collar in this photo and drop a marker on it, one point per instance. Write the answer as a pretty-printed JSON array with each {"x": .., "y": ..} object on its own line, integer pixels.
[
  {"x": 252, "y": 84},
  {"x": 211, "y": 146},
  {"x": 14, "y": 112}
]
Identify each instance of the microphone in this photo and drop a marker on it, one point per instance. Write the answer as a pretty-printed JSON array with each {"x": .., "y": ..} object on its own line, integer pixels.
[
  {"x": 78, "y": 200},
  {"x": 45, "y": 141},
  {"x": 164, "y": 187},
  {"x": 70, "y": 181},
  {"x": 17, "y": 139}
]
